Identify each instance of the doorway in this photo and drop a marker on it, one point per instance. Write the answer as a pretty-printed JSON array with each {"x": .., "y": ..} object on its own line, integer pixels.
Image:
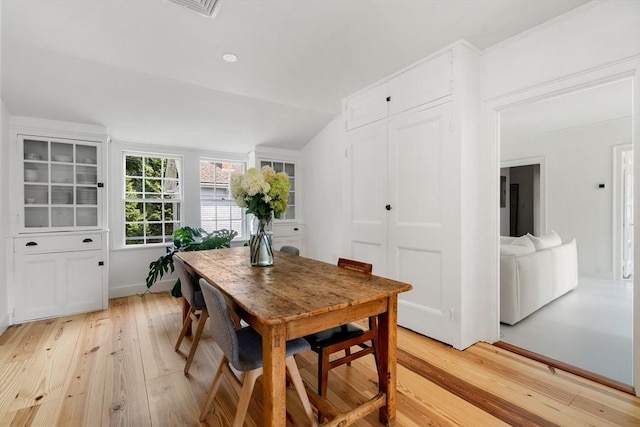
[
  {"x": 521, "y": 211},
  {"x": 575, "y": 137}
]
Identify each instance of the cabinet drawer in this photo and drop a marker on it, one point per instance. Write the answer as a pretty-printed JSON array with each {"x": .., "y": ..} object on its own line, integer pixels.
[
  {"x": 42, "y": 244},
  {"x": 281, "y": 230}
]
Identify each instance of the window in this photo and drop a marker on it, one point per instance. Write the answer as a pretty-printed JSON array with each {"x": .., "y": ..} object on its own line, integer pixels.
[
  {"x": 218, "y": 210},
  {"x": 289, "y": 169},
  {"x": 152, "y": 198}
]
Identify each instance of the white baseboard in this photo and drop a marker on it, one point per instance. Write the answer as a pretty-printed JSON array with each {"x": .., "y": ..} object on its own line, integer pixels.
[
  {"x": 4, "y": 323},
  {"x": 136, "y": 289}
]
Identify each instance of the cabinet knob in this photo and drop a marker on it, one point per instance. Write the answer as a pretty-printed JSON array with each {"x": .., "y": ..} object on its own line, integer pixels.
[
  {"x": 388, "y": 99},
  {"x": 295, "y": 229},
  {"x": 87, "y": 240},
  {"x": 31, "y": 244},
  {"x": 388, "y": 207}
]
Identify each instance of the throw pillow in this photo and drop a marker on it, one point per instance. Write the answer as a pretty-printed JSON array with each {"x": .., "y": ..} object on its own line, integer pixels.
[
  {"x": 524, "y": 241},
  {"x": 546, "y": 241}
]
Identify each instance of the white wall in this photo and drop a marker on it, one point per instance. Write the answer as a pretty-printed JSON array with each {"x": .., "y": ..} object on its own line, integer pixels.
[
  {"x": 128, "y": 267},
  {"x": 4, "y": 206},
  {"x": 4, "y": 215},
  {"x": 324, "y": 163},
  {"x": 578, "y": 160},
  {"x": 588, "y": 37}
]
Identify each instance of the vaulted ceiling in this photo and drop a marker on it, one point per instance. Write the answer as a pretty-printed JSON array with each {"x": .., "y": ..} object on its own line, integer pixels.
[{"x": 152, "y": 71}]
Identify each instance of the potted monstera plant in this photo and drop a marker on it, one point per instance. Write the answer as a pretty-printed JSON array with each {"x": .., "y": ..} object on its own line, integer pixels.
[{"x": 187, "y": 239}]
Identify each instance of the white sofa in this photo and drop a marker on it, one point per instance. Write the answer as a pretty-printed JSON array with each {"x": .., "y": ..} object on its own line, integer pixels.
[{"x": 533, "y": 272}]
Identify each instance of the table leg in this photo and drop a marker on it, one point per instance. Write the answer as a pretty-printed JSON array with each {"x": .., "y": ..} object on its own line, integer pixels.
[
  {"x": 273, "y": 359},
  {"x": 387, "y": 358}
]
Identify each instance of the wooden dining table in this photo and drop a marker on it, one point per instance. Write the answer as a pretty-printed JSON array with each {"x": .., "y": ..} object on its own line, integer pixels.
[{"x": 297, "y": 296}]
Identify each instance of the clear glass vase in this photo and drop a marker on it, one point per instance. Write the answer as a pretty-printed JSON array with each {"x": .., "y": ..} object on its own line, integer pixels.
[{"x": 261, "y": 242}]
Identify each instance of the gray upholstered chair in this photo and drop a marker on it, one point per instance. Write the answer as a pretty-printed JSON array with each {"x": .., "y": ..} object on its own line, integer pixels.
[
  {"x": 197, "y": 310},
  {"x": 242, "y": 349},
  {"x": 290, "y": 250}
]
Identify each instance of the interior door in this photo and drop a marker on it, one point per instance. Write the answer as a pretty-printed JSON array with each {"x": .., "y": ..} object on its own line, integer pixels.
[
  {"x": 424, "y": 220},
  {"x": 367, "y": 192}
]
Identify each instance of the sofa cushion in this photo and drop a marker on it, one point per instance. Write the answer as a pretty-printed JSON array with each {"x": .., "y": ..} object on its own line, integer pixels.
[
  {"x": 516, "y": 250},
  {"x": 549, "y": 240},
  {"x": 507, "y": 240},
  {"x": 525, "y": 242}
]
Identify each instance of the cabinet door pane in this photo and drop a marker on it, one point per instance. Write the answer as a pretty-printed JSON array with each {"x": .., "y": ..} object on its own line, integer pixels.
[
  {"x": 61, "y": 174},
  {"x": 36, "y": 217},
  {"x": 61, "y": 217},
  {"x": 86, "y": 154},
  {"x": 86, "y": 175},
  {"x": 62, "y": 152},
  {"x": 36, "y": 150},
  {"x": 87, "y": 217},
  {"x": 86, "y": 195}
]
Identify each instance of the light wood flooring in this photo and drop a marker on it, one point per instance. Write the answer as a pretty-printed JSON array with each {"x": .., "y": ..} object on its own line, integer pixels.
[{"x": 118, "y": 367}]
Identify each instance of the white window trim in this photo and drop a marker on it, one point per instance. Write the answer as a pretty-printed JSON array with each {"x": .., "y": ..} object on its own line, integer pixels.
[
  {"x": 121, "y": 211},
  {"x": 245, "y": 218}
]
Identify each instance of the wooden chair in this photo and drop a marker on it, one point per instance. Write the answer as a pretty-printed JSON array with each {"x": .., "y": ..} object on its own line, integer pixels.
[
  {"x": 197, "y": 310},
  {"x": 343, "y": 337},
  {"x": 242, "y": 349}
]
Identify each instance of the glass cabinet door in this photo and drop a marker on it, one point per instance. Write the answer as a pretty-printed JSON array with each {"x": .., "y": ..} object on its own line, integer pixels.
[
  {"x": 290, "y": 170},
  {"x": 60, "y": 183}
]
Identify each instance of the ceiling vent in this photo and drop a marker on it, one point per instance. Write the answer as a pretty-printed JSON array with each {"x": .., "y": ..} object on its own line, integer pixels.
[{"x": 203, "y": 7}]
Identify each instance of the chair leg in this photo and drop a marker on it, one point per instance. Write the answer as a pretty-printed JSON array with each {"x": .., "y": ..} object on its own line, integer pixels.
[
  {"x": 196, "y": 339},
  {"x": 347, "y": 353},
  {"x": 217, "y": 379},
  {"x": 245, "y": 396},
  {"x": 296, "y": 379},
  {"x": 185, "y": 327},
  {"x": 323, "y": 377}
]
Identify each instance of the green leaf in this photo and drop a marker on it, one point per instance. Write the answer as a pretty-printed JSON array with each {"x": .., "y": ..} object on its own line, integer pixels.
[{"x": 187, "y": 239}]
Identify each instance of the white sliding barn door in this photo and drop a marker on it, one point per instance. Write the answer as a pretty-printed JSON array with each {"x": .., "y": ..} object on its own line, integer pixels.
[
  {"x": 423, "y": 226},
  {"x": 368, "y": 189}
]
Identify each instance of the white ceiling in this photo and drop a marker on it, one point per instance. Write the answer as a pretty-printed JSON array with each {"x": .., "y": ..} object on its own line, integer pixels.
[
  {"x": 152, "y": 71},
  {"x": 590, "y": 105}
]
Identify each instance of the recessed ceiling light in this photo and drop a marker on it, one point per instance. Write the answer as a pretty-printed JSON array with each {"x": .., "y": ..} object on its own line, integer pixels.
[{"x": 230, "y": 57}]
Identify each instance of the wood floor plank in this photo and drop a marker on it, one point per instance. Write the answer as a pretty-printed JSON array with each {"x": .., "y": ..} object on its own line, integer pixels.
[
  {"x": 162, "y": 394},
  {"x": 84, "y": 390},
  {"x": 44, "y": 374},
  {"x": 125, "y": 398},
  {"x": 138, "y": 380},
  {"x": 158, "y": 355},
  {"x": 598, "y": 408}
]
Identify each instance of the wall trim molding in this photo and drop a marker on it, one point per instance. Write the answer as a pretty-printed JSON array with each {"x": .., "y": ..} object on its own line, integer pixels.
[{"x": 140, "y": 288}]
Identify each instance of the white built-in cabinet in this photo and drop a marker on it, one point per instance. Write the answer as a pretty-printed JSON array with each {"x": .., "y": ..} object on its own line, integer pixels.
[
  {"x": 57, "y": 275},
  {"x": 288, "y": 230},
  {"x": 418, "y": 85},
  {"x": 58, "y": 245},
  {"x": 408, "y": 186}
]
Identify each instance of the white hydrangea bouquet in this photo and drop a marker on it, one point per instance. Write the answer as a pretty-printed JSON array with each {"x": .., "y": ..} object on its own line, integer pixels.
[{"x": 264, "y": 193}]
